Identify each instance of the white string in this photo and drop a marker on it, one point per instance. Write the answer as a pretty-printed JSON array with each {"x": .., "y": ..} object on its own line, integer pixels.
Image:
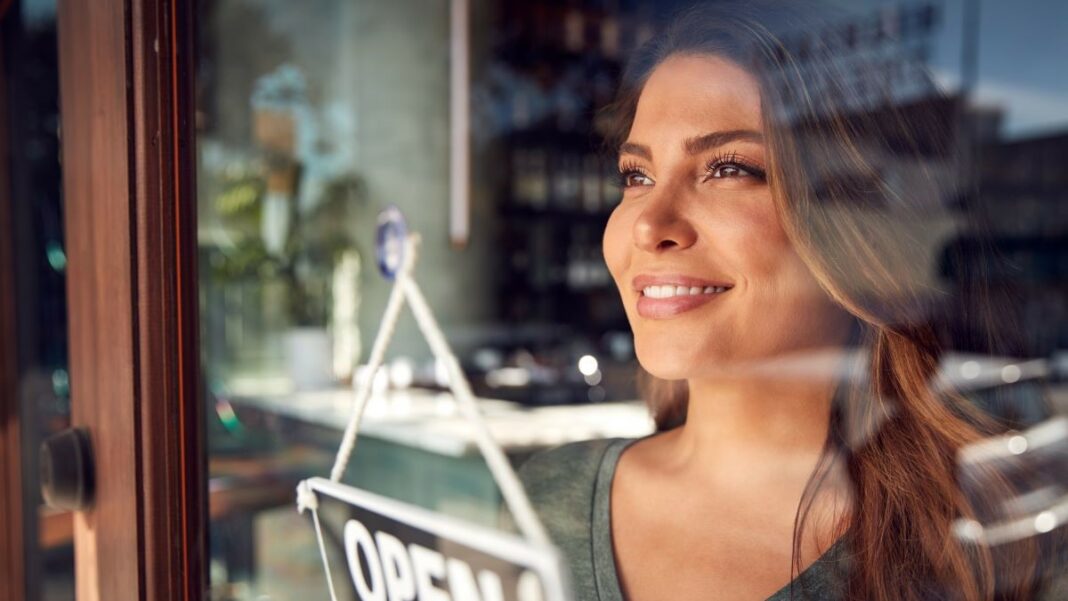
[
  {"x": 500, "y": 468},
  {"x": 306, "y": 499},
  {"x": 405, "y": 288},
  {"x": 378, "y": 351}
]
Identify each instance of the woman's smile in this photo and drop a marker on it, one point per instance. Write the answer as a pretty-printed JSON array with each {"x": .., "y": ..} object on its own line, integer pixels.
[{"x": 665, "y": 296}]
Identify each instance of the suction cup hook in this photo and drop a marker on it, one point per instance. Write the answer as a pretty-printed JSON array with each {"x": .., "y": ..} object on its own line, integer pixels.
[{"x": 390, "y": 241}]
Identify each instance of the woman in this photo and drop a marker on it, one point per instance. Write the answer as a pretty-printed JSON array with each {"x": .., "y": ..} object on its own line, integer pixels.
[{"x": 777, "y": 214}]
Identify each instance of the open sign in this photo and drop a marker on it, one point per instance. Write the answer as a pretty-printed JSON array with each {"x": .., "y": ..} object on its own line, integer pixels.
[{"x": 399, "y": 552}]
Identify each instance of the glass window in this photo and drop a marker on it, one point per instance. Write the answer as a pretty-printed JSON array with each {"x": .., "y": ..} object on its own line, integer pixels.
[
  {"x": 835, "y": 235},
  {"x": 33, "y": 196}
]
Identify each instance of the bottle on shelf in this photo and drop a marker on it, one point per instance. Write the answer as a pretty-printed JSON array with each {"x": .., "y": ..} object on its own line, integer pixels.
[
  {"x": 578, "y": 272},
  {"x": 519, "y": 182},
  {"x": 611, "y": 193},
  {"x": 609, "y": 31},
  {"x": 537, "y": 167},
  {"x": 574, "y": 28},
  {"x": 592, "y": 199},
  {"x": 566, "y": 182}
]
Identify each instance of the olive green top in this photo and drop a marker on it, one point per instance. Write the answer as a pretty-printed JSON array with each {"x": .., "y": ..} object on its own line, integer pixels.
[{"x": 570, "y": 487}]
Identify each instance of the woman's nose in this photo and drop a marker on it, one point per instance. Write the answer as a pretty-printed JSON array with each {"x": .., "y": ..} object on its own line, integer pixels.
[{"x": 661, "y": 226}]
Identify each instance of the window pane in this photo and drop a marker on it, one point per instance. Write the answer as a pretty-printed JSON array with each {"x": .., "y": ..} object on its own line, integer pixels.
[
  {"x": 858, "y": 209},
  {"x": 43, "y": 387}
]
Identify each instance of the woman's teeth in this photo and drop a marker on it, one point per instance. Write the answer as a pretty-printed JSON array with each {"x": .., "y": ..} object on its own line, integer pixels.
[{"x": 670, "y": 291}]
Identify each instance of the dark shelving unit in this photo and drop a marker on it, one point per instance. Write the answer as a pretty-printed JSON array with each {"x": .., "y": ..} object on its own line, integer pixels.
[{"x": 560, "y": 185}]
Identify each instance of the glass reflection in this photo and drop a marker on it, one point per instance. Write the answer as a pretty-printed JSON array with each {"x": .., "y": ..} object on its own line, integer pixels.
[{"x": 314, "y": 118}]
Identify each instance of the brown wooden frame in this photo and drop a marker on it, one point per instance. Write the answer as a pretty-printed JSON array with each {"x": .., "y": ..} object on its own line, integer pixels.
[{"x": 128, "y": 163}]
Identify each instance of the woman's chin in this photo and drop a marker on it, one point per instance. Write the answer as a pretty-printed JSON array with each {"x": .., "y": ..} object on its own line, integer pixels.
[
  {"x": 667, "y": 367},
  {"x": 679, "y": 362}
]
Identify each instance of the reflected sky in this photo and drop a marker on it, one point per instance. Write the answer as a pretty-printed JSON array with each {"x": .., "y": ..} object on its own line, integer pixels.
[
  {"x": 1020, "y": 54},
  {"x": 1019, "y": 61}
]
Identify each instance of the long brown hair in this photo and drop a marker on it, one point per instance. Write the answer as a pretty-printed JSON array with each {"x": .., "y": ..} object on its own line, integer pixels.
[{"x": 858, "y": 226}]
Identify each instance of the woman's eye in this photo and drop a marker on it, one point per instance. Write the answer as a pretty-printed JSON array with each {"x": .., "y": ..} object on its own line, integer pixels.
[
  {"x": 729, "y": 171},
  {"x": 632, "y": 178}
]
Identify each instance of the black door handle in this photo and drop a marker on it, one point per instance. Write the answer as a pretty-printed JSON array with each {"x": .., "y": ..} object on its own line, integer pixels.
[{"x": 67, "y": 477}]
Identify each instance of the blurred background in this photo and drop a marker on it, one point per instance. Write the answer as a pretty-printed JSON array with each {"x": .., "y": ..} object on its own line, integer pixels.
[{"x": 314, "y": 116}]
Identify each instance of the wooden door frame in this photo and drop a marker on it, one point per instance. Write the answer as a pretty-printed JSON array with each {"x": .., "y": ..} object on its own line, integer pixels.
[{"x": 126, "y": 100}]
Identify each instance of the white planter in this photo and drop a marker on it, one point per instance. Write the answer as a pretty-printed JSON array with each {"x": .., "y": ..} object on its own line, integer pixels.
[{"x": 309, "y": 354}]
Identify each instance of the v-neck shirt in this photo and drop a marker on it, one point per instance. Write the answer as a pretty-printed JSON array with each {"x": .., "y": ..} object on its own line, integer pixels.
[{"x": 571, "y": 487}]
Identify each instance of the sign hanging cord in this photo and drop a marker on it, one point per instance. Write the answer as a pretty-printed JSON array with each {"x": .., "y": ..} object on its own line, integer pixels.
[
  {"x": 306, "y": 499},
  {"x": 502, "y": 471},
  {"x": 378, "y": 350},
  {"x": 405, "y": 288}
]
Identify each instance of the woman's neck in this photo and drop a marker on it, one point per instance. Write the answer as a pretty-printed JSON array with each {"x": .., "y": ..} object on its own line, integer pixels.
[{"x": 767, "y": 421}]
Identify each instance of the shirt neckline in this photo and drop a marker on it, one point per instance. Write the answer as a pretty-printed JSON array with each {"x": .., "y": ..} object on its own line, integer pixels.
[{"x": 606, "y": 578}]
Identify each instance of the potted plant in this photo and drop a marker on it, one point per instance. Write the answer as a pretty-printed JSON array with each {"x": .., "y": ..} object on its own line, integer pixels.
[{"x": 306, "y": 213}]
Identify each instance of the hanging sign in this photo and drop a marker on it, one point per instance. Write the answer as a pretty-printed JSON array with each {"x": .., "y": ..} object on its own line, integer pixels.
[
  {"x": 400, "y": 552},
  {"x": 395, "y": 551}
]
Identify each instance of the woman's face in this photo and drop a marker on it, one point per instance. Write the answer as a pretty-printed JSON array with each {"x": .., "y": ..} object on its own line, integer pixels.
[{"x": 705, "y": 270}]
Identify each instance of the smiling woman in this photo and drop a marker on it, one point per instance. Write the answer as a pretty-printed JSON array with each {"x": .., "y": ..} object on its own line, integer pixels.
[
  {"x": 776, "y": 212},
  {"x": 698, "y": 211}
]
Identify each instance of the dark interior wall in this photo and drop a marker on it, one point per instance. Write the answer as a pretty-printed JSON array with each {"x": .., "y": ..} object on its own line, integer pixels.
[{"x": 34, "y": 290}]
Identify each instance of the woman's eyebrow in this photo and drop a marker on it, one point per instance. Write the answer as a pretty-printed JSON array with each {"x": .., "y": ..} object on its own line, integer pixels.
[
  {"x": 697, "y": 144},
  {"x": 639, "y": 150},
  {"x": 719, "y": 138}
]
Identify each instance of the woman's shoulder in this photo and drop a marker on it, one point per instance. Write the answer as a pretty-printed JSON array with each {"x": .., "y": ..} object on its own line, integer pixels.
[
  {"x": 566, "y": 473},
  {"x": 562, "y": 484}
]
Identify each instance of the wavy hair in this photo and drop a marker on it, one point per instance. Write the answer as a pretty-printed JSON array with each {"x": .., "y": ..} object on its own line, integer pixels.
[{"x": 864, "y": 229}]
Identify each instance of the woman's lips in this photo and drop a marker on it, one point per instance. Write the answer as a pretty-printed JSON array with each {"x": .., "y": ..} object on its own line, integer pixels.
[
  {"x": 663, "y": 308},
  {"x": 665, "y": 295}
]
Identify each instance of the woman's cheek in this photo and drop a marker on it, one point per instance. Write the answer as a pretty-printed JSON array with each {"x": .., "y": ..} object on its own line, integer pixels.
[{"x": 744, "y": 236}]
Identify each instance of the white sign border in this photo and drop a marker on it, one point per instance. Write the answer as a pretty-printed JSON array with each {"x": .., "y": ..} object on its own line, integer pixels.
[{"x": 544, "y": 560}]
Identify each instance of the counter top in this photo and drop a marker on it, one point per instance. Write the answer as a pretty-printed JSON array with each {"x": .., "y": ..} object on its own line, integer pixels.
[{"x": 430, "y": 420}]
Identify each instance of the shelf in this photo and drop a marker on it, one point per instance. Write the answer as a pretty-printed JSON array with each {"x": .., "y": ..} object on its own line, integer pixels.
[{"x": 519, "y": 211}]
